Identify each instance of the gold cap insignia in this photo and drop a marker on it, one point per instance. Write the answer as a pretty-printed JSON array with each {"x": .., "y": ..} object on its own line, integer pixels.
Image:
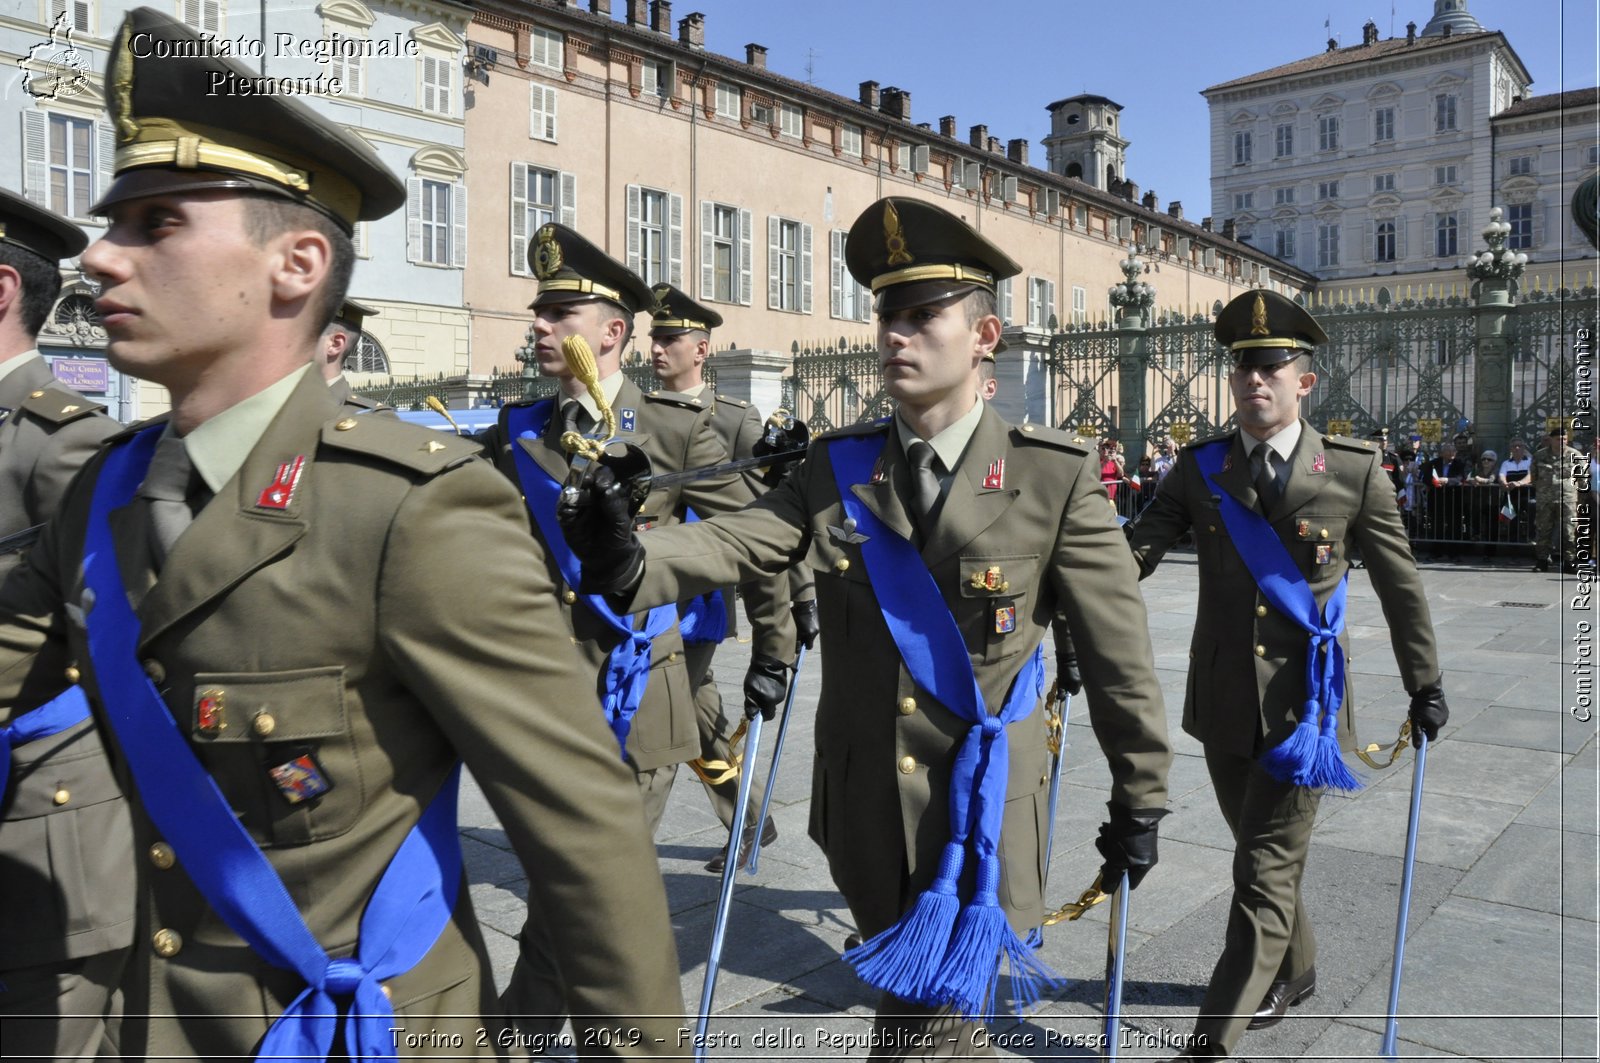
[
  {"x": 894, "y": 238},
  {"x": 1258, "y": 317},
  {"x": 547, "y": 260}
]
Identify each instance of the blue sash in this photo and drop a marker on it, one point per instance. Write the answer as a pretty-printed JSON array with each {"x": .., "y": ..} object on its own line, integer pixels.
[
  {"x": 407, "y": 911},
  {"x": 67, "y": 709},
  {"x": 703, "y": 618},
  {"x": 628, "y": 667},
  {"x": 942, "y": 951},
  {"x": 1310, "y": 756}
]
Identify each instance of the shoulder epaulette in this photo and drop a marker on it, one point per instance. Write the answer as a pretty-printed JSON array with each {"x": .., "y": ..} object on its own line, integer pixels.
[
  {"x": 1058, "y": 438},
  {"x": 1350, "y": 443},
  {"x": 417, "y": 448},
  {"x": 56, "y": 405},
  {"x": 676, "y": 398},
  {"x": 729, "y": 400},
  {"x": 366, "y": 405},
  {"x": 864, "y": 428},
  {"x": 1219, "y": 437}
]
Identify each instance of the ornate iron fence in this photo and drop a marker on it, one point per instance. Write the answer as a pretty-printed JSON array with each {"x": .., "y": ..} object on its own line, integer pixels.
[
  {"x": 1544, "y": 382},
  {"x": 502, "y": 386},
  {"x": 1186, "y": 379},
  {"x": 1083, "y": 364},
  {"x": 836, "y": 385}
]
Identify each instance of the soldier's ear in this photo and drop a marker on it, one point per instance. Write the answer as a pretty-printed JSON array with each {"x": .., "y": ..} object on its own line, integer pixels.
[{"x": 10, "y": 288}]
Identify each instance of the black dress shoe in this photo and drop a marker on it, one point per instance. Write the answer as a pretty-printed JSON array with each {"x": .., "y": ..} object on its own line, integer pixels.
[
  {"x": 1281, "y": 996},
  {"x": 768, "y": 836}
]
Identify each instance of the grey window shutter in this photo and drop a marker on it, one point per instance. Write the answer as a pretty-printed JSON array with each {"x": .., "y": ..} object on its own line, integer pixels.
[
  {"x": 746, "y": 256},
  {"x": 774, "y": 289},
  {"x": 708, "y": 267},
  {"x": 1400, "y": 236},
  {"x": 105, "y": 155},
  {"x": 675, "y": 241},
  {"x": 35, "y": 156},
  {"x": 569, "y": 199},
  {"x": 1538, "y": 224},
  {"x": 413, "y": 219},
  {"x": 519, "y": 219},
  {"x": 835, "y": 272},
  {"x": 633, "y": 227},
  {"x": 458, "y": 223},
  {"x": 805, "y": 268},
  {"x": 1369, "y": 246}
]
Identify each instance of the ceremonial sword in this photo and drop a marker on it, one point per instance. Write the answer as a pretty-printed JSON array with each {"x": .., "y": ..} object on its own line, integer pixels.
[{"x": 17, "y": 542}]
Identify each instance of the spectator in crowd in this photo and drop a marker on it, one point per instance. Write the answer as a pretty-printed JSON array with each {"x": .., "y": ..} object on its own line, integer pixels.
[
  {"x": 1466, "y": 441},
  {"x": 1162, "y": 462},
  {"x": 1485, "y": 502},
  {"x": 1516, "y": 471},
  {"x": 1111, "y": 473},
  {"x": 1443, "y": 477}
]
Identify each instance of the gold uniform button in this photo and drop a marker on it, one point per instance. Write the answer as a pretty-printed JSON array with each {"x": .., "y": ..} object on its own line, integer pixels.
[
  {"x": 908, "y": 765},
  {"x": 263, "y": 724},
  {"x": 154, "y": 671},
  {"x": 842, "y": 565},
  {"x": 1261, "y": 651},
  {"x": 162, "y": 856},
  {"x": 1027, "y": 428},
  {"x": 1261, "y": 610},
  {"x": 344, "y": 424},
  {"x": 62, "y": 796},
  {"x": 569, "y": 595},
  {"x": 71, "y": 673},
  {"x": 908, "y": 706},
  {"x": 1211, "y": 527},
  {"x": 167, "y": 943},
  {"x": 1323, "y": 534},
  {"x": 673, "y": 656},
  {"x": 37, "y": 395},
  {"x": 388, "y": 994}
]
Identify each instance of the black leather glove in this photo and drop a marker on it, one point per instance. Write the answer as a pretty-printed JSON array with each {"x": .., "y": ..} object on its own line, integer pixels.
[
  {"x": 1428, "y": 710},
  {"x": 780, "y": 438},
  {"x": 806, "y": 628},
  {"x": 1128, "y": 843},
  {"x": 598, "y": 525},
  {"x": 765, "y": 685},
  {"x": 1068, "y": 677}
]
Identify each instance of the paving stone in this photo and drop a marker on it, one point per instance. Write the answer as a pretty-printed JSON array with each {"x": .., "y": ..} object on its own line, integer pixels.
[
  {"x": 1539, "y": 868},
  {"x": 1464, "y": 767},
  {"x": 1455, "y": 831},
  {"x": 1568, "y": 801}
]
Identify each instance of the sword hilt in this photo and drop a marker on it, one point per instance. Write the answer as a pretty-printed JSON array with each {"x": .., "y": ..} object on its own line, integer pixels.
[{"x": 1074, "y": 910}]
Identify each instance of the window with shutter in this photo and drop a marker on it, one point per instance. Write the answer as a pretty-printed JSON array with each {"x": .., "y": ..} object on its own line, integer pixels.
[
  {"x": 348, "y": 65},
  {"x": 203, "y": 15},
  {"x": 1444, "y": 234},
  {"x": 729, "y": 100},
  {"x": 1080, "y": 305},
  {"x": 746, "y": 262},
  {"x": 850, "y": 140},
  {"x": 80, "y": 16},
  {"x": 652, "y": 234},
  {"x": 635, "y": 199},
  {"x": 546, "y": 48},
  {"x": 414, "y": 220},
  {"x": 675, "y": 241},
  {"x": 358, "y": 240},
  {"x": 458, "y": 224},
  {"x": 805, "y": 268},
  {"x": 1520, "y": 217},
  {"x": 436, "y": 82},
  {"x": 721, "y": 263},
  {"x": 791, "y": 120},
  {"x": 433, "y": 226},
  {"x": 70, "y": 156},
  {"x": 1002, "y": 301},
  {"x": 535, "y": 201},
  {"x": 790, "y": 260},
  {"x": 541, "y": 112}
]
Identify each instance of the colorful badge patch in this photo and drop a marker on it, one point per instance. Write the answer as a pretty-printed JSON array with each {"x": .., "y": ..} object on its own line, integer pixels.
[
  {"x": 1005, "y": 620},
  {"x": 209, "y": 712},
  {"x": 1302, "y": 528},
  {"x": 625, "y": 420},
  {"x": 877, "y": 472},
  {"x": 300, "y": 779},
  {"x": 990, "y": 579},
  {"x": 996, "y": 477},
  {"x": 1320, "y": 462},
  {"x": 280, "y": 492},
  {"x": 1227, "y": 462},
  {"x": 1324, "y": 553}
]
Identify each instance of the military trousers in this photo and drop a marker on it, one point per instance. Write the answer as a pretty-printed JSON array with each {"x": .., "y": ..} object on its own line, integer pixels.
[
  {"x": 1555, "y": 525},
  {"x": 902, "y": 1031},
  {"x": 716, "y": 752},
  {"x": 63, "y": 1011},
  {"x": 1269, "y": 936}
]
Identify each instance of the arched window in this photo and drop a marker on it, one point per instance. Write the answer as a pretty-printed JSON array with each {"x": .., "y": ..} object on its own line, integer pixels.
[
  {"x": 1075, "y": 170},
  {"x": 367, "y": 357}
]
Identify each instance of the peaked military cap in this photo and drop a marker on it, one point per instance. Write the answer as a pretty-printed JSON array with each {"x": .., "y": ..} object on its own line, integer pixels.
[
  {"x": 573, "y": 270},
  {"x": 188, "y": 119},
  {"x": 675, "y": 313},
  {"x": 25, "y": 224},
  {"x": 353, "y": 315},
  {"x": 1264, "y": 328},
  {"x": 910, "y": 253}
]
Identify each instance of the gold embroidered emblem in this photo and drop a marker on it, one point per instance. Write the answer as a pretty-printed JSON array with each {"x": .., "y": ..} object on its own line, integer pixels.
[
  {"x": 1258, "y": 317},
  {"x": 547, "y": 261},
  {"x": 894, "y": 239},
  {"x": 433, "y": 446},
  {"x": 991, "y": 579},
  {"x": 70, "y": 409}
]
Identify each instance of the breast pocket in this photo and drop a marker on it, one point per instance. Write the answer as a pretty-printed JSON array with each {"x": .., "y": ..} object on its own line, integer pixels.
[
  {"x": 279, "y": 746},
  {"x": 1318, "y": 546},
  {"x": 994, "y": 602}
]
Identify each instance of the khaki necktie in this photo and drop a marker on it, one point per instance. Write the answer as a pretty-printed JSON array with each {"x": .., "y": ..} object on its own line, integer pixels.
[
  {"x": 924, "y": 481},
  {"x": 166, "y": 490},
  {"x": 1264, "y": 462}
]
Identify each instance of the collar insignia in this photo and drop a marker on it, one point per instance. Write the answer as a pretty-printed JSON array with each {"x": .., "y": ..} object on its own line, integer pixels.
[
  {"x": 280, "y": 492},
  {"x": 996, "y": 477}
]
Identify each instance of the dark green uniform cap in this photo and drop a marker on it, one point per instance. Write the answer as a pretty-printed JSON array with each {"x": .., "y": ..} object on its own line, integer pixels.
[
  {"x": 179, "y": 110},
  {"x": 911, "y": 253},
  {"x": 1264, "y": 328},
  {"x": 676, "y": 313},
  {"x": 353, "y": 315},
  {"x": 25, "y": 224},
  {"x": 572, "y": 270}
]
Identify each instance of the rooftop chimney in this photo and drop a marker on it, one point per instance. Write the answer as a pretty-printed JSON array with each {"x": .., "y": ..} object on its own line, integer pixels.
[
  {"x": 897, "y": 103},
  {"x": 1369, "y": 33},
  {"x": 1017, "y": 151},
  {"x": 926, "y": 127},
  {"x": 869, "y": 94},
  {"x": 692, "y": 30},
  {"x": 638, "y": 12},
  {"x": 661, "y": 16},
  {"x": 1150, "y": 201},
  {"x": 600, "y": 7},
  {"x": 756, "y": 55},
  {"x": 1205, "y": 224},
  {"x": 978, "y": 136},
  {"x": 1411, "y": 33},
  {"x": 1130, "y": 191},
  {"x": 994, "y": 145},
  {"x": 1227, "y": 229},
  {"x": 1175, "y": 208},
  {"x": 947, "y": 126}
]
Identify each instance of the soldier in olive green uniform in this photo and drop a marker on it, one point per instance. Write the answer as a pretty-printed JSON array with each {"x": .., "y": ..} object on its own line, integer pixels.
[
  {"x": 335, "y": 612},
  {"x": 1013, "y": 527},
  {"x": 584, "y": 292},
  {"x": 1556, "y": 470},
  {"x": 1321, "y": 496},
  {"x": 680, "y": 340},
  {"x": 338, "y": 343},
  {"x": 66, "y": 916}
]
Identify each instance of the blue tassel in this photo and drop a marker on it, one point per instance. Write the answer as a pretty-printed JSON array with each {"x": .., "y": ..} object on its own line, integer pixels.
[
  {"x": 1327, "y": 768},
  {"x": 1288, "y": 760},
  {"x": 904, "y": 959},
  {"x": 969, "y": 976}
]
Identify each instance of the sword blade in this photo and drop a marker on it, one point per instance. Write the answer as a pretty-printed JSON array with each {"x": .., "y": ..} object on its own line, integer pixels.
[
  {"x": 17, "y": 542},
  {"x": 1391, "y": 1029},
  {"x": 738, "y": 465},
  {"x": 777, "y": 754},
  {"x": 1116, "y": 951}
]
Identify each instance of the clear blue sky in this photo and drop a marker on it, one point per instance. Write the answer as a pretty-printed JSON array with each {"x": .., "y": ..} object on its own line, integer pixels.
[{"x": 1000, "y": 62}]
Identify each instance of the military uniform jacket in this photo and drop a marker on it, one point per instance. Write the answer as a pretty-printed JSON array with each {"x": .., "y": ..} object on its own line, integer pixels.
[
  {"x": 393, "y": 617},
  {"x": 884, "y": 747},
  {"x": 353, "y": 403},
  {"x": 1247, "y": 661},
  {"x": 675, "y": 432},
  {"x": 65, "y": 842},
  {"x": 1557, "y": 472}
]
